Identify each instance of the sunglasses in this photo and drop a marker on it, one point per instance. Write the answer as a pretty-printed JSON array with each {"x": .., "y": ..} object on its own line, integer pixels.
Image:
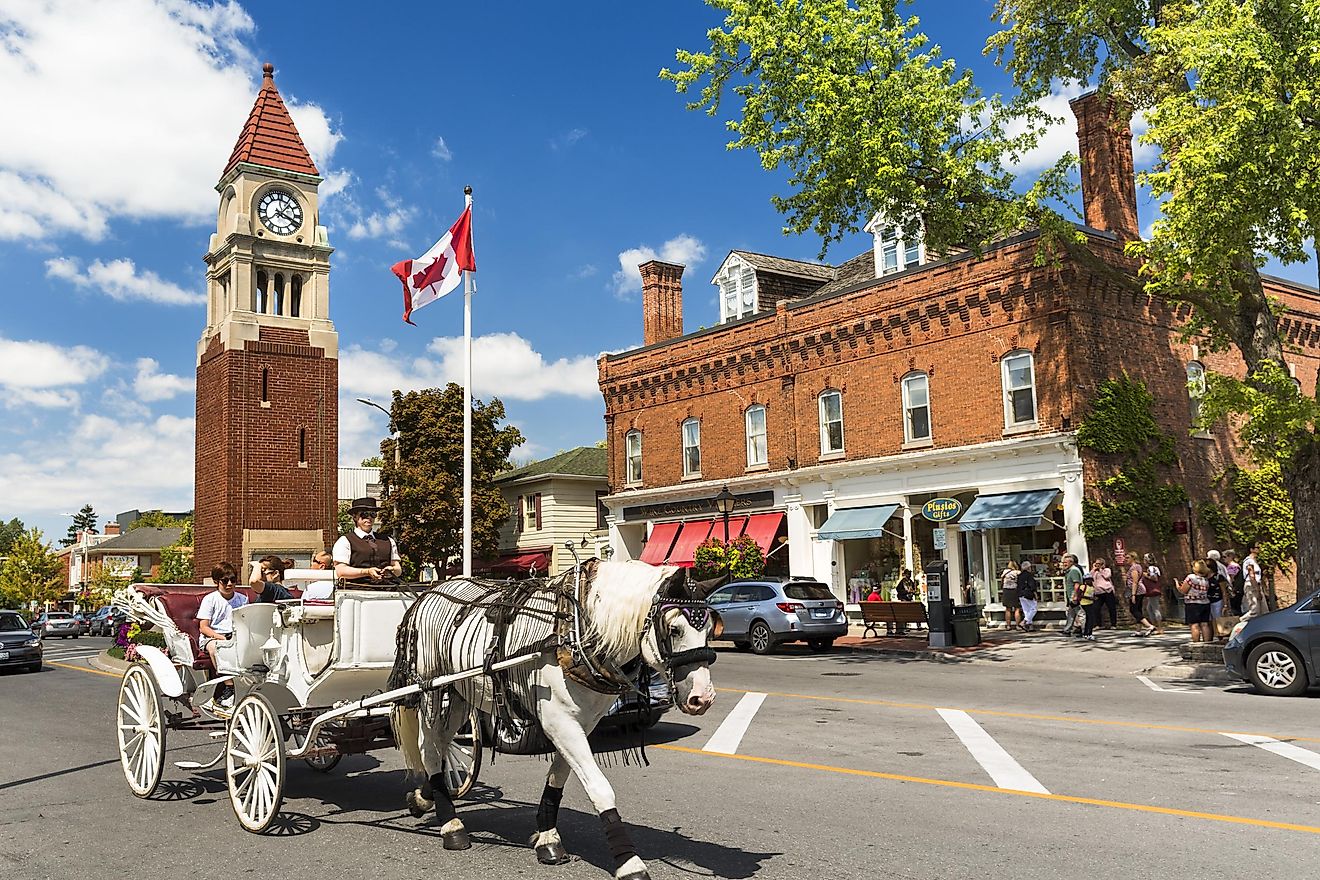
[{"x": 228, "y": 580}]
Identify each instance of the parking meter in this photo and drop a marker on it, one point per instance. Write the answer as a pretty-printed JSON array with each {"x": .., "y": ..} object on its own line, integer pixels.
[{"x": 939, "y": 604}]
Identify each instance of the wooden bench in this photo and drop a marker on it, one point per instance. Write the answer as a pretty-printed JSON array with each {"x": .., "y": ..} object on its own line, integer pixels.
[{"x": 892, "y": 614}]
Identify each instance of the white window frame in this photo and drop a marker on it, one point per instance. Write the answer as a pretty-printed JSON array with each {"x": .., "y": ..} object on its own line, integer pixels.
[
  {"x": 739, "y": 294},
  {"x": 908, "y": 408},
  {"x": 692, "y": 427},
  {"x": 889, "y": 236},
  {"x": 631, "y": 439},
  {"x": 1010, "y": 422},
  {"x": 1195, "y": 394},
  {"x": 825, "y": 447},
  {"x": 763, "y": 435}
]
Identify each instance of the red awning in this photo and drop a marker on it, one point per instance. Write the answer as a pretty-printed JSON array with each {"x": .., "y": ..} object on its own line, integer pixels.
[
  {"x": 522, "y": 563},
  {"x": 693, "y": 535},
  {"x": 662, "y": 538},
  {"x": 763, "y": 527}
]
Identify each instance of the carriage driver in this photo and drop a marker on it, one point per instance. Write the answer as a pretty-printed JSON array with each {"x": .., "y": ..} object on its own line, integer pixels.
[{"x": 363, "y": 557}]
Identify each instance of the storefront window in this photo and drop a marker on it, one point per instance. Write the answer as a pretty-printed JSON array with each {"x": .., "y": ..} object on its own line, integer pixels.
[
  {"x": 873, "y": 563},
  {"x": 1043, "y": 546}
]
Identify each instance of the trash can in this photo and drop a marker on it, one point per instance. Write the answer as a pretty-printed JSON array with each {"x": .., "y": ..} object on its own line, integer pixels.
[{"x": 966, "y": 625}]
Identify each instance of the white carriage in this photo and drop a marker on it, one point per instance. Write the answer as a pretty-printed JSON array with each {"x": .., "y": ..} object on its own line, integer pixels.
[{"x": 308, "y": 677}]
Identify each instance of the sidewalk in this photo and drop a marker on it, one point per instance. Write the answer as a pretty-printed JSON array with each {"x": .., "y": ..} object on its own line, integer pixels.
[{"x": 1115, "y": 652}]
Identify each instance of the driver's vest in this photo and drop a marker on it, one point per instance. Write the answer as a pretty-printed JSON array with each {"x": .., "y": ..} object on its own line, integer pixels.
[{"x": 372, "y": 551}]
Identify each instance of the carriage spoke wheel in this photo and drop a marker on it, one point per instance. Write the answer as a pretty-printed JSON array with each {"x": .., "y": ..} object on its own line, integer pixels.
[
  {"x": 254, "y": 763},
  {"x": 141, "y": 731},
  {"x": 463, "y": 757}
]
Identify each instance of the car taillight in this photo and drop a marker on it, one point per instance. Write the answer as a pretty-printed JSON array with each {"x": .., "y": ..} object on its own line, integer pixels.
[
  {"x": 789, "y": 607},
  {"x": 838, "y": 606}
]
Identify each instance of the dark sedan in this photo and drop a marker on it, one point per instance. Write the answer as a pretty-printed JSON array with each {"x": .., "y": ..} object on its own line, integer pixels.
[
  {"x": 19, "y": 645},
  {"x": 1279, "y": 652}
]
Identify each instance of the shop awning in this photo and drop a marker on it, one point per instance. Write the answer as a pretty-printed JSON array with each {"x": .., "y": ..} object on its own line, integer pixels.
[
  {"x": 522, "y": 563},
  {"x": 1010, "y": 510},
  {"x": 762, "y": 528},
  {"x": 736, "y": 526},
  {"x": 662, "y": 538},
  {"x": 856, "y": 522},
  {"x": 694, "y": 533}
]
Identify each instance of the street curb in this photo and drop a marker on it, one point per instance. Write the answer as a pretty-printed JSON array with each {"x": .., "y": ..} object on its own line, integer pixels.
[
  {"x": 106, "y": 663},
  {"x": 901, "y": 653},
  {"x": 1208, "y": 672}
]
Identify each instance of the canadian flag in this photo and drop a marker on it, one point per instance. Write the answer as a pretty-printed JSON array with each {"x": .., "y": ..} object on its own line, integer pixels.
[{"x": 439, "y": 270}]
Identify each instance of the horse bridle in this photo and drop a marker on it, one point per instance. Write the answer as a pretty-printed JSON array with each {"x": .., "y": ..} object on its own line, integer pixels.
[{"x": 697, "y": 613}]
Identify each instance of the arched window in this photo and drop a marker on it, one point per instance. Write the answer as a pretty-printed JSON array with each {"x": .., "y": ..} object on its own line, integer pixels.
[
  {"x": 295, "y": 296},
  {"x": 1195, "y": 390},
  {"x": 916, "y": 407},
  {"x": 831, "y": 422},
  {"x": 632, "y": 455},
  {"x": 757, "y": 448},
  {"x": 692, "y": 448},
  {"x": 279, "y": 295},
  {"x": 1019, "y": 379},
  {"x": 259, "y": 296}
]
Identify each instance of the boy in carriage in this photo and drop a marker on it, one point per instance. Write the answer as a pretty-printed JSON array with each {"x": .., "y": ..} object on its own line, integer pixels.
[
  {"x": 362, "y": 556},
  {"x": 215, "y": 617}
]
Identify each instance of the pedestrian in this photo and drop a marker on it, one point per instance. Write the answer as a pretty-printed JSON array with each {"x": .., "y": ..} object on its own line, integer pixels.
[
  {"x": 1253, "y": 585},
  {"x": 1217, "y": 590},
  {"x": 1090, "y": 610},
  {"x": 875, "y": 595},
  {"x": 1234, "y": 569},
  {"x": 1152, "y": 592},
  {"x": 906, "y": 589},
  {"x": 1008, "y": 594},
  {"x": 1132, "y": 579},
  {"x": 1027, "y": 591},
  {"x": 1102, "y": 582},
  {"x": 1195, "y": 589},
  {"x": 1072, "y": 582}
]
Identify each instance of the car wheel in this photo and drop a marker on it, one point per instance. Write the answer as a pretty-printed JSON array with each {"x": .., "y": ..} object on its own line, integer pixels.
[
  {"x": 518, "y": 738},
  {"x": 761, "y": 639},
  {"x": 1276, "y": 670},
  {"x": 820, "y": 646}
]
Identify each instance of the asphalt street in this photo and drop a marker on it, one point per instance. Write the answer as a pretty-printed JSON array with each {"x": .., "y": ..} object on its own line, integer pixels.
[{"x": 843, "y": 765}]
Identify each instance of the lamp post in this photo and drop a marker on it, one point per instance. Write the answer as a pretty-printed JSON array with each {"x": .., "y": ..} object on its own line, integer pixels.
[
  {"x": 394, "y": 435},
  {"x": 724, "y": 503}
]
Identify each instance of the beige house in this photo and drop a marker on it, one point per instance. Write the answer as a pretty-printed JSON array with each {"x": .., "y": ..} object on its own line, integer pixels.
[{"x": 551, "y": 502}]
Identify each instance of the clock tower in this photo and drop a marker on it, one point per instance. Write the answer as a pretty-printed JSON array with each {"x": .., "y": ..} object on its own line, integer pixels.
[{"x": 267, "y": 362}]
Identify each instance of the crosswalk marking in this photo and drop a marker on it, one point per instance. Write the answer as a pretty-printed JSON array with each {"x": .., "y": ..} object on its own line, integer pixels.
[
  {"x": 1282, "y": 749},
  {"x": 730, "y": 732},
  {"x": 1003, "y": 769}
]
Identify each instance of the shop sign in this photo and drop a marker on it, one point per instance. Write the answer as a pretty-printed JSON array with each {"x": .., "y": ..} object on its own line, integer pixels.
[
  {"x": 940, "y": 537},
  {"x": 941, "y": 509},
  {"x": 696, "y": 506}
]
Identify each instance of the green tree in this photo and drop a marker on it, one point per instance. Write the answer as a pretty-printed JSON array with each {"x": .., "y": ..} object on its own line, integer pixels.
[
  {"x": 176, "y": 560},
  {"x": 156, "y": 519},
  {"x": 32, "y": 574},
  {"x": 869, "y": 117},
  {"x": 83, "y": 521},
  {"x": 373, "y": 461},
  {"x": 9, "y": 532},
  {"x": 422, "y": 494}
]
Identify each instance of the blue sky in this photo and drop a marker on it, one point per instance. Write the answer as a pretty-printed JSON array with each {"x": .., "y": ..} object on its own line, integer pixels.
[{"x": 120, "y": 117}]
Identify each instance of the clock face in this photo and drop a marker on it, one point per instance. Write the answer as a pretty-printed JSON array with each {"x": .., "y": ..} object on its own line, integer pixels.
[{"x": 280, "y": 211}]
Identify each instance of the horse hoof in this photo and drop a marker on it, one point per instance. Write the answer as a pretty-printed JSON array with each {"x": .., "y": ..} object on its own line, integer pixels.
[
  {"x": 552, "y": 854},
  {"x": 456, "y": 839},
  {"x": 416, "y": 805},
  {"x": 635, "y": 875}
]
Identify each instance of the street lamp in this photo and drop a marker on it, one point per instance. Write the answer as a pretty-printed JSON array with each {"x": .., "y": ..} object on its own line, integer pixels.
[
  {"x": 724, "y": 503},
  {"x": 367, "y": 401}
]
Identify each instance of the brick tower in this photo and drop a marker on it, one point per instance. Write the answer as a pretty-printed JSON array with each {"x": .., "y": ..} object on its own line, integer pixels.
[{"x": 267, "y": 362}]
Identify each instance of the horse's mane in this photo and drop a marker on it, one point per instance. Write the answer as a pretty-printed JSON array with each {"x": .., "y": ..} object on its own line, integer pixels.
[{"x": 619, "y": 601}]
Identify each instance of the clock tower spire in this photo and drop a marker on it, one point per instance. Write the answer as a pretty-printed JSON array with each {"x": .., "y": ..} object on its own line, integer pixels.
[{"x": 267, "y": 361}]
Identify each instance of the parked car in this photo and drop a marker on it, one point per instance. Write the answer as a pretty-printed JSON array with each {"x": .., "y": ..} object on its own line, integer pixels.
[
  {"x": 57, "y": 623},
  {"x": 1278, "y": 653},
  {"x": 19, "y": 645},
  {"x": 762, "y": 614},
  {"x": 105, "y": 622},
  {"x": 84, "y": 622},
  {"x": 526, "y": 738}
]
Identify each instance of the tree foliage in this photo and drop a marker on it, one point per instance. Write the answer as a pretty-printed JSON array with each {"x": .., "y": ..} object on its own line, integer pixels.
[
  {"x": 1258, "y": 511},
  {"x": 84, "y": 520},
  {"x": 9, "y": 533},
  {"x": 156, "y": 519},
  {"x": 740, "y": 558},
  {"x": 374, "y": 461},
  {"x": 422, "y": 494},
  {"x": 32, "y": 574},
  {"x": 176, "y": 560}
]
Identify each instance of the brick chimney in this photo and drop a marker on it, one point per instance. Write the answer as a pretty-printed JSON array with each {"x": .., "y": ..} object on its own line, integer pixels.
[
  {"x": 112, "y": 528},
  {"x": 1109, "y": 185},
  {"x": 662, "y": 301}
]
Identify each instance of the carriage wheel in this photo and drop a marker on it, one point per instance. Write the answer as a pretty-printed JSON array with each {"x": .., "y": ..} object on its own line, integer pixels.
[
  {"x": 463, "y": 757},
  {"x": 323, "y": 763},
  {"x": 141, "y": 731},
  {"x": 254, "y": 763}
]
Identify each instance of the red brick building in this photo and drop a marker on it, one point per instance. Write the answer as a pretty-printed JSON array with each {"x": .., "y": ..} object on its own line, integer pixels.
[
  {"x": 836, "y": 401},
  {"x": 267, "y": 361}
]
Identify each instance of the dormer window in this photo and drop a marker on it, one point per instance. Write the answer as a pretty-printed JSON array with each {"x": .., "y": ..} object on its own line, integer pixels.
[
  {"x": 894, "y": 251},
  {"x": 737, "y": 283}
]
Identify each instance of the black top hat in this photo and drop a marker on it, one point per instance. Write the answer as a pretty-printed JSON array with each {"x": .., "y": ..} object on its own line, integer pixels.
[{"x": 364, "y": 505}]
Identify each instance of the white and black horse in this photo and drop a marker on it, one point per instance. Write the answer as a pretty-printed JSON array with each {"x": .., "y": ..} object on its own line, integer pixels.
[{"x": 619, "y": 610}]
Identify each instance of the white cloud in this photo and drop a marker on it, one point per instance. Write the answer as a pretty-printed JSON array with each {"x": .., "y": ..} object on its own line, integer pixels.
[
  {"x": 1143, "y": 155},
  {"x": 441, "y": 150},
  {"x": 125, "y": 109},
  {"x": 1058, "y": 137},
  {"x": 585, "y": 271},
  {"x": 151, "y": 384},
  {"x": 335, "y": 182},
  {"x": 568, "y": 138},
  {"x": 36, "y": 373},
  {"x": 683, "y": 249},
  {"x": 121, "y": 280},
  {"x": 385, "y": 223}
]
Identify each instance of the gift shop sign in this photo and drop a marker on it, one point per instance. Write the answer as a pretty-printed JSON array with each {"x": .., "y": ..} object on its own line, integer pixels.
[{"x": 941, "y": 510}]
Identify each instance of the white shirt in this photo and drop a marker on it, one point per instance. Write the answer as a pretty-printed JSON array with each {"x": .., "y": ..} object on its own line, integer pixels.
[
  {"x": 219, "y": 612},
  {"x": 1251, "y": 571},
  {"x": 343, "y": 551}
]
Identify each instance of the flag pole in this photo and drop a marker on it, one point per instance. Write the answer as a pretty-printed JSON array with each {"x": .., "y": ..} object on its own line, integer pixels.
[{"x": 469, "y": 287}]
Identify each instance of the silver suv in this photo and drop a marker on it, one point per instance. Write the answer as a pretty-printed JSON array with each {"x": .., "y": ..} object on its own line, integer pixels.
[{"x": 760, "y": 614}]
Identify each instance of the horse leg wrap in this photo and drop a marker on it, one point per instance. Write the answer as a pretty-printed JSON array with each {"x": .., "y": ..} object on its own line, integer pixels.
[
  {"x": 621, "y": 845},
  {"x": 552, "y": 851},
  {"x": 445, "y": 814},
  {"x": 547, "y": 815}
]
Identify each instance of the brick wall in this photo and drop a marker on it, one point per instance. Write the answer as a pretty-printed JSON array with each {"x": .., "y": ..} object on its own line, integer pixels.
[{"x": 247, "y": 468}]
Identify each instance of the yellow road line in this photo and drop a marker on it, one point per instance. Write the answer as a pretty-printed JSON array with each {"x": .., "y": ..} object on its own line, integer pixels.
[
  {"x": 1028, "y": 715},
  {"x": 972, "y": 786},
  {"x": 83, "y": 669}
]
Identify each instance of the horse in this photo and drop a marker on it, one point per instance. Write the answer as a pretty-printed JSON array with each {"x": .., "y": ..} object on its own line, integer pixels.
[{"x": 596, "y": 618}]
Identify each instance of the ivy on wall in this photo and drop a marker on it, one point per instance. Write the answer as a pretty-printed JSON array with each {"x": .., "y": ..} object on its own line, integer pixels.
[
  {"x": 1258, "y": 510},
  {"x": 1121, "y": 424}
]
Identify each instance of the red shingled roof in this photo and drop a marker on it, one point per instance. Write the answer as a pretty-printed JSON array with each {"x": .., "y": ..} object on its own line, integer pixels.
[{"x": 270, "y": 138}]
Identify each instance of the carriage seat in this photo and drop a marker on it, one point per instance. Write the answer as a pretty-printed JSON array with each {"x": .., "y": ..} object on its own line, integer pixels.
[{"x": 181, "y": 604}]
